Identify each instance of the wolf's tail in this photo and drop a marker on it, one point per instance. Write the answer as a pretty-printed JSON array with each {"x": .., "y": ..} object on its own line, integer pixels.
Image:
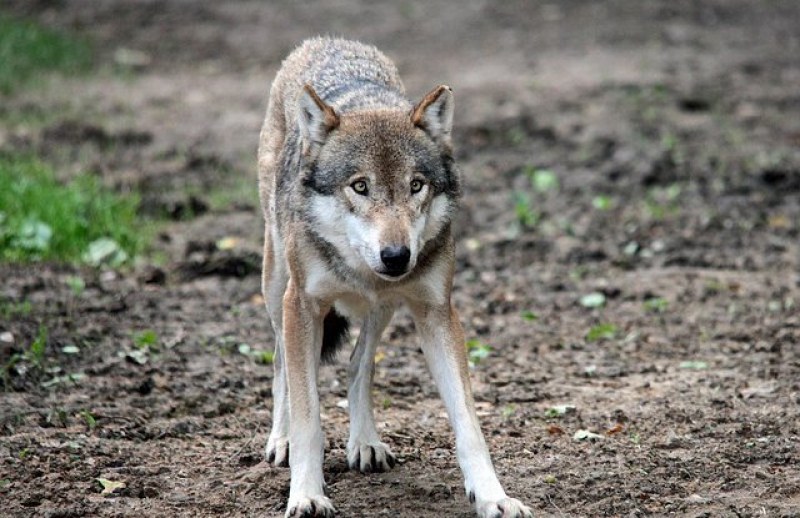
[{"x": 334, "y": 334}]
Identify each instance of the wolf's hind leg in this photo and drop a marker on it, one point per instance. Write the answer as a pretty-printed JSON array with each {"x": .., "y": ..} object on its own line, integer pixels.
[
  {"x": 273, "y": 287},
  {"x": 277, "y": 450},
  {"x": 365, "y": 451}
]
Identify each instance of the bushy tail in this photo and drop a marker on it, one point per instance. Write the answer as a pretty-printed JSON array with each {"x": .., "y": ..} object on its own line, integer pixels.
[{"x": 334, "y": 334}]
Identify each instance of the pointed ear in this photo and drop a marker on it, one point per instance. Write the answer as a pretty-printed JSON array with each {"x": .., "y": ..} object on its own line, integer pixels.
[
  {"x": 434, "y": 114},
  {"x": 315, "y": 119}
]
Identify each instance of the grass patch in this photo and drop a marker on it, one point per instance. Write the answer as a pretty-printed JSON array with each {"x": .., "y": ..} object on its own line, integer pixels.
[
  {"x": 28, "y": 50},
  {"x": 10, "y": 309},
  {"x": 239, "y": 190},
  {"x": 527, "y": 216},
  {"x": 656, "y": 305},
  {"x": 543, "y": 183},
  {"x": 33, "y": 358},
  {"x": 14, "y": 116},
  {"x": 603, "y": 331},
  {"x": 477, "y": 351},
  {"x": 42, "y": 219}
]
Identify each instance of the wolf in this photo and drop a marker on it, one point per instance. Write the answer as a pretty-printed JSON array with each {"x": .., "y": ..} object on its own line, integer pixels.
[{"x": 359, "y": 188}]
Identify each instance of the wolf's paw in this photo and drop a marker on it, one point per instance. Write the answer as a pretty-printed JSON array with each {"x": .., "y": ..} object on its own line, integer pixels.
[
  {"x": 309, "y": 507},
  {"x": 278, "y": 451},
  {"x": 370, "y": 457},
  {"x": 504, "y": 508}
]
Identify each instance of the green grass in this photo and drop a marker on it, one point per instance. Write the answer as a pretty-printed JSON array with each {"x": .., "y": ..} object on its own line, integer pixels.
[
  {"x": 13, "y": 115},
  {"x": 36, "y": 352},
  {"x": 42, "y": 219},
  {"x": 146, "y": 340},
  {"x": 238, "y": 190},
  {"x": 10, "y": 309},
  {"x": 35, "y": 356},
  {"x": 527, "y": 216},
  {"x": 27, "y": 50},
  {"x": 477, "y": 351},
  {"x": 605, "y": 331},
  {"x": 656, "y": 305}
]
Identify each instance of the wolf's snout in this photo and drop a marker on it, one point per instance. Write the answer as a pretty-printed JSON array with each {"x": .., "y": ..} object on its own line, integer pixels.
[{"x": 395, "y": 258}]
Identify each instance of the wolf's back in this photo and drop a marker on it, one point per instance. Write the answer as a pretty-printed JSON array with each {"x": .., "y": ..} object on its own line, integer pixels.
[{"x": 347, "y": 75}]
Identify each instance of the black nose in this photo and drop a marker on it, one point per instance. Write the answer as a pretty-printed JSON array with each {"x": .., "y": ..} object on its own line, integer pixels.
[{"x": 395, "y": 258}]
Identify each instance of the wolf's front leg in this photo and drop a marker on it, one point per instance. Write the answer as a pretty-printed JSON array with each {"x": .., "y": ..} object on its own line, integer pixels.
[
  {"x": 302, "y": 338},
  {"x": 445, "y": 352},
  {"x": 365, "y": 451}
]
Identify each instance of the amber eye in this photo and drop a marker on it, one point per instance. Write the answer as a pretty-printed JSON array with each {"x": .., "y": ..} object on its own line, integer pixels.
[
  {"x": 416, "y": 186},
  {"x": 360, "y": 186}
]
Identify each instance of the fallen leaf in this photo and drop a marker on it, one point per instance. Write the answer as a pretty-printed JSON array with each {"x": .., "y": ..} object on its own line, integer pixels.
[
  {"x": 131, "y": 58},
  {"x": 593, "y": 300},
  {"x": 33, "y": 235},
  {"x": 559, "y": 410},
  {"x": 554, "y": 429},
  {"x": 105, "y": 251},
  {"x": 586, "y": 435},
  {"x": 109, "y": 486},
  {"x": 227, "y": 243},
  {"x": 763, "y": 391},
  {"x": 472, "y": 244},
  {"x": 543, "y": 180},
  {"x": 694, "y": 365},
  {"x": 137, "y": 356},
  {"x": 779, "y": 221}
]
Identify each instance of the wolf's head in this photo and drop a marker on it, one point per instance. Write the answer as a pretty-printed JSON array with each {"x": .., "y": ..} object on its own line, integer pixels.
[{"x": 382, "y": 182}]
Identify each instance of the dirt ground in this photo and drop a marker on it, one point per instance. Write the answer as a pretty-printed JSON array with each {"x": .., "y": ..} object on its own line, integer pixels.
[{"x": 674, "y": 130}]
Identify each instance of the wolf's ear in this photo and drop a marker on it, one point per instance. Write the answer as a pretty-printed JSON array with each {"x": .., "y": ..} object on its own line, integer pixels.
[
  {"x": 315, "y": 119},
  {"x": 434, "y": 114}
]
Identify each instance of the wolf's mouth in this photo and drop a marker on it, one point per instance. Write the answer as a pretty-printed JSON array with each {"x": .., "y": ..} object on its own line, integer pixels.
[{"x": 392, "y": 275}]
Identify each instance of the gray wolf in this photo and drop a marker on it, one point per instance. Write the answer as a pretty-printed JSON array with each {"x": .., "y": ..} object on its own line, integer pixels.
[{"x": 359, "y": 187}]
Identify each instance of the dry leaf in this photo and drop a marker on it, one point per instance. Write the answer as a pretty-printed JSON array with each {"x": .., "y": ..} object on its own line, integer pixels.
[
  {"x": 109, "y": 486},
  {"x": 779, "y": 221},
  {"x": 586, "y": 435},
  {"x": 228, "y": 243}
]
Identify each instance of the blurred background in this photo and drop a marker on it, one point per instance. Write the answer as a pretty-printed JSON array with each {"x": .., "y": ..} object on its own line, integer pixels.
[{"x": 627, "y": 265}]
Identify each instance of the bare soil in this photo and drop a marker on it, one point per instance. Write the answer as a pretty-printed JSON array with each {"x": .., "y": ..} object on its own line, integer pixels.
[{"x": 686, "y": 115}]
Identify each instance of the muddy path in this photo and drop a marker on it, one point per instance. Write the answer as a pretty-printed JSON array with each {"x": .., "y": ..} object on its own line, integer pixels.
[{"x": 672, "y": 131}]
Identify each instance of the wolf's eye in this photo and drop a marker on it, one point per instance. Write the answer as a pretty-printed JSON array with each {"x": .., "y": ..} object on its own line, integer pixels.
[
  {"x": 416, "y": 186},
  {"x": 360, "y": 186}
]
